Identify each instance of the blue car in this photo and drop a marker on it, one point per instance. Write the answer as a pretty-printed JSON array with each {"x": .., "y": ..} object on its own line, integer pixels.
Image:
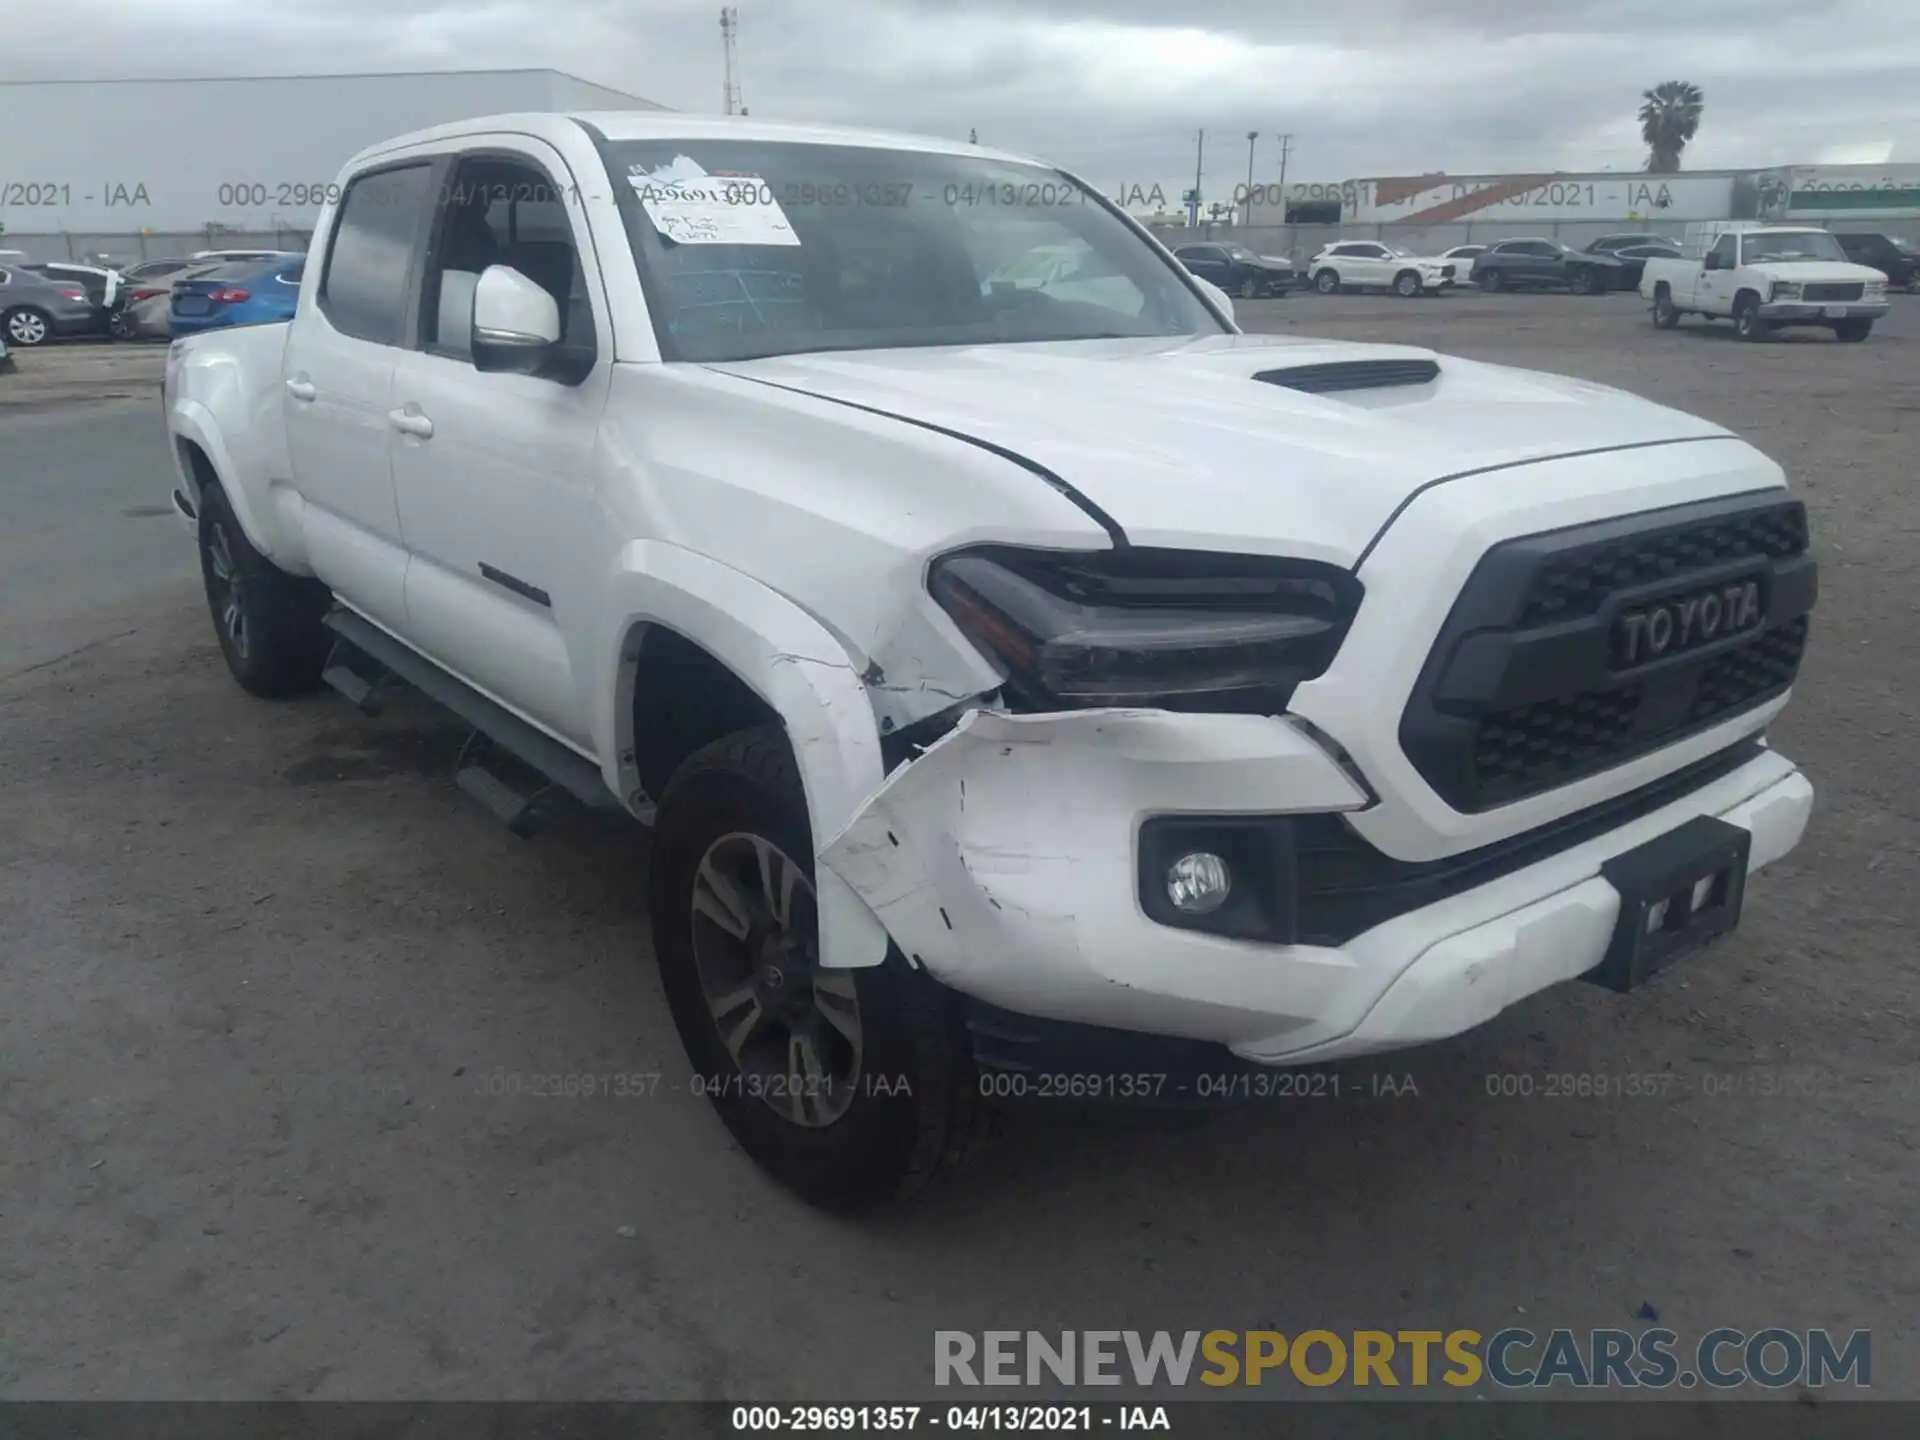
[{"x": 247, "y": 292}]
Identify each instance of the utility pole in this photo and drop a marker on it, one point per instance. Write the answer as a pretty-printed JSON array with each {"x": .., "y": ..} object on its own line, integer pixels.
[
  {"x": 1286, "y": 144},
  {"x": 729, "y": 29},
  {"x": 1252, "y": 135},
  {"x": 1199, "y": 159}
]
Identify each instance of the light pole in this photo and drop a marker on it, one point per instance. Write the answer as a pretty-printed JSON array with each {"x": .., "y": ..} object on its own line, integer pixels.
[
  {"x": 1252, "y": 135},
  {"x": 1199, "y": 157}
]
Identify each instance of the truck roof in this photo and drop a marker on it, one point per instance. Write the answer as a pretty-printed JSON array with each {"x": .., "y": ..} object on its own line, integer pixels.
[{"x": 675, "y": 125}]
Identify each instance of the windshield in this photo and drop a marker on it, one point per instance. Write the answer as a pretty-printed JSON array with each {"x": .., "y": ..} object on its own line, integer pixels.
[
  {"x": 1788, "y": 246},
  {"x": 752, "y": 248}
]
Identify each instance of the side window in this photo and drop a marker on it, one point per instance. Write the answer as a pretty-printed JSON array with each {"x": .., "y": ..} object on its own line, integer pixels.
[
  {"x": 1723, "y": 251},
  {"x": 502, "y": 211},
  {"x": 1373, "y": 252},
  {"x": 365, "y": 287}
]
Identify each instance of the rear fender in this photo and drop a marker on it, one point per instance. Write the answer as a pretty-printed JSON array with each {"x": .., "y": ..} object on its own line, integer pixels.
[{"x": 791, "y": 661}]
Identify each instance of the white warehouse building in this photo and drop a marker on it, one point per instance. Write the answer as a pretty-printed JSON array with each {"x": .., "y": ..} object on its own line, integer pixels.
[{"x": 132, "y": 167}]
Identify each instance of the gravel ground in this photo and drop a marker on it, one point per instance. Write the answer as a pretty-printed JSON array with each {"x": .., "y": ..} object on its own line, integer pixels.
[{"x": 273, "y": 994}]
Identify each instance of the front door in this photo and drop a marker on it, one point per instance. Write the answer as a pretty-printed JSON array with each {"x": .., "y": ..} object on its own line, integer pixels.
[{"x": 494, "y": 472}]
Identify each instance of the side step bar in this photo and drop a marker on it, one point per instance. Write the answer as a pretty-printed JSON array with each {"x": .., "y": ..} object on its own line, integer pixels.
[{"x": 518, "y": 806}]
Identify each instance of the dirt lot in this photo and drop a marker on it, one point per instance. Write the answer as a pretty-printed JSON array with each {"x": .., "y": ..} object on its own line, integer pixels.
[{"x": 272, "y": 993}]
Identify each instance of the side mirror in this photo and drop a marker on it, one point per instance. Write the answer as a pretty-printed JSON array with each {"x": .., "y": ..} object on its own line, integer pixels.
[
  {"x": 1219, "y": 297},
  {"x": 516, "y": 324}
]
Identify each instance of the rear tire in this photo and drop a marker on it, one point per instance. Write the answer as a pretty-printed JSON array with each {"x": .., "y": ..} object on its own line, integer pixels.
[
  {"x": 1664, "y": 314},
  {"x": 1853, "y": 331},
  {"x": 901, "y": 1102},
  {"x": 268, "y": 622},
  {"x": 1492, "y": 281},
  {"x": 1327, "y": 282},
  {"x": 1747, "y": 323}
]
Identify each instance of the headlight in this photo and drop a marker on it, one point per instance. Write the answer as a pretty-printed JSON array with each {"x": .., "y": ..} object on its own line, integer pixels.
[
  {"x": 1175, "y": 629},
  {"x": 1786, "y": 290},
  {"x": 1876, "y": 290}
]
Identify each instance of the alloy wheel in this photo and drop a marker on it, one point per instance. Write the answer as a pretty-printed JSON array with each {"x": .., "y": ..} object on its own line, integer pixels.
[
  {"x": 791, "y": 1025},
  {"x": 26, "y": 327},
  {"x": 227, "y": 590}
]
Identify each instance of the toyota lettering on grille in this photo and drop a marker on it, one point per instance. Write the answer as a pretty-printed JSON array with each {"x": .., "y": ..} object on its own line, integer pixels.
[{"x": 1684, "y": 622}]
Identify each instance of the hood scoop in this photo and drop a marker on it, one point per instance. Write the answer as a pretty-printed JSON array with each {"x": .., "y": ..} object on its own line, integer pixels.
[{"x": 1352, "y": 375}]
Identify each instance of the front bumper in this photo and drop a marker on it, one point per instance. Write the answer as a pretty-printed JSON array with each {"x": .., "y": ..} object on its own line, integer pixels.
[
  {"x": 1814, "y": 312},
  {"x": 1005, "y": 861}
]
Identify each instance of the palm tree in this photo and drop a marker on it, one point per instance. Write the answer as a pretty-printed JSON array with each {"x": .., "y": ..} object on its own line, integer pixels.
[{"x": 1668, "y": 118}]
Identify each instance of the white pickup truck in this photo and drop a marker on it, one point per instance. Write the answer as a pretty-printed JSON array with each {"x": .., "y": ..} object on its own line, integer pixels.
[
  {"x": 1763, "y": 277},
  {"x": 1032, "y": 694}
]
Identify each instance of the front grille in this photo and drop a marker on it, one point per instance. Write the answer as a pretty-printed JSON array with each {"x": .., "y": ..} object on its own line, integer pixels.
[
  {"x": 1832, "y": 292},
  {"x": 1527, "y": 687},
  {"x": 1352, "y": 375}
]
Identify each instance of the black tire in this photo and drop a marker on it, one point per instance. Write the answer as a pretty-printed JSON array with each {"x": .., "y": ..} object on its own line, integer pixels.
[
  {"x": 915, "y": 1107},
  {"x": 1913, "y": 282},
  {"x": 27, "y": 326},
  {"x": 1249, "y": 288},
  {"x": 1407, "y": 284},
  {"x": 1747, "y": 323},
  {"x": 1664, "y": 315},
  {"x": 1492, "y": 281},
  {"x": 267, "y": 621},
  {"x": 1588, "y": 280},
  {"x": 1853, "y": 331},
  {"x": 1327, "y": 282},
  {"x": 120, "y": 326}
]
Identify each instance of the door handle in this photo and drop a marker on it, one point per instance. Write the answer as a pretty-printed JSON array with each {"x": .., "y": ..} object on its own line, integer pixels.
[
  {"x": 301, "y": 389},
  {"x": 411, "y": 422}
]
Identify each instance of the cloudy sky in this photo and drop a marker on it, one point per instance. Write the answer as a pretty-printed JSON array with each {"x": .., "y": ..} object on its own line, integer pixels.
[{"x": 1116, "y": 89}]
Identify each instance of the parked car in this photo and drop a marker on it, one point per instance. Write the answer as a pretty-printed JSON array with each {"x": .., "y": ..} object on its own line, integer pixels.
[
  {"x": 1536, "y": 263},
  {"x": 249, "y": 292},
  {"x": 36, "y": 308},
  {"x": 103, "y": 286},
  {"x": 1014, "y": 689},
  {"x": 1633, "y": 259},
  {"x": 1892, "y": 256},
  {"x": 1370, "y": 265},
  {"x": 1461, "y": 258},
  {"x": 154, "y": 269},
  {"x": 146, "y": 297},
  {"x": 1763, "y": 277},
  {"x": 1614, "y": 244},
  {"x": 1238, "y": 270}
]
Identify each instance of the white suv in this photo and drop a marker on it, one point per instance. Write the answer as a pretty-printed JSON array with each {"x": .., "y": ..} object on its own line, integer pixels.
[
  {"x": 1032, "y": 692},
  {"x": 1369, "y": 265}
]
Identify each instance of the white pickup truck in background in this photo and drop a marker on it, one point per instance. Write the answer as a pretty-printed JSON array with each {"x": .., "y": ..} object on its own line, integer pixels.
[
  {"x": 1035, "y": 689},
  {"x": 1763, "y": 277}
]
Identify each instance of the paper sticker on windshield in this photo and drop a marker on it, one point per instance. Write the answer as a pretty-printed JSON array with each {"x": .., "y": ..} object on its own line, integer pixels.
[{"x": 691, "y": 207}]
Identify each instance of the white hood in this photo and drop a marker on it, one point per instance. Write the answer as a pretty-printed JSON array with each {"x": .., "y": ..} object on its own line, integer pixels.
[
  {"x": 1176, "y": 441},
  {"x": 1818, "y": 272}
]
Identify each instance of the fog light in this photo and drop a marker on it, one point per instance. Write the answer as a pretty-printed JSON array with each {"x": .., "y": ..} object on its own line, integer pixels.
[{"x": 1198, "y": 883}]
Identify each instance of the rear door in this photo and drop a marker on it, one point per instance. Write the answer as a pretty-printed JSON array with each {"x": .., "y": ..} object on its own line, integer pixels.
[{"x": 339, "y": 378}]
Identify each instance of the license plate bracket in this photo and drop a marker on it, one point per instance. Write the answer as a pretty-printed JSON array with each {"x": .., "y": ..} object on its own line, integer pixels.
[
  {"x": 1677, "y": 893},
  {"x": 1835, "y": 312}
]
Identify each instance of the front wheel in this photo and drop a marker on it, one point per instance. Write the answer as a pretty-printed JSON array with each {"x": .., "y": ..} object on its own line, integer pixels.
[
  {"x": 1589, "y": 281},
  {"x": 1249, "y": 288},
  {"x": 1913, "y": 283},
  {"x": 1406, "y": 285},
  {"x": 852, "y": 1087},
  {"x": 1327, "y": 282},
  {"x": 120, "y": 326},
  {"x": 1492, "y": 281},
  {"x": 1853, "y": 331},
  {"x": 268, "y": 622},
  {"x": 27, "y": 327},
  {"x": 1747, "y": 323}
]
